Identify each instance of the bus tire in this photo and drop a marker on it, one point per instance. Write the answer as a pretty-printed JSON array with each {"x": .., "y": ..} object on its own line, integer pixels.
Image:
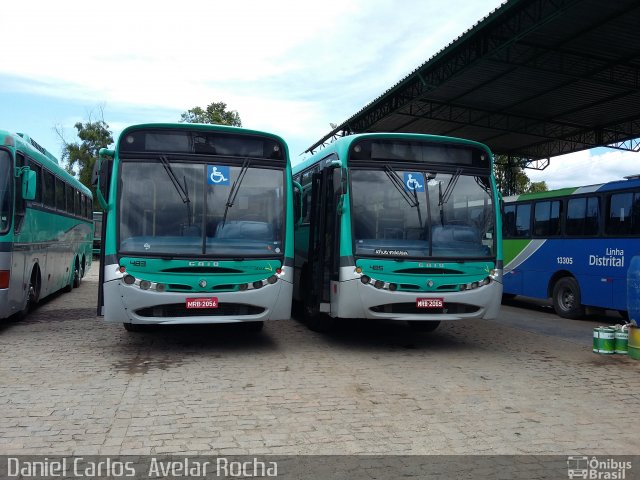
[
  {"x": 76, "y": 274},
  {"x": 567, "y": 301},
  {"x": 134, "y": 327},
  {"x": 33, "y": 293},
  {"x": 320, "y": 323},
  {"x": 424, "y": 325},
  {"x": 253, "y": 327}
]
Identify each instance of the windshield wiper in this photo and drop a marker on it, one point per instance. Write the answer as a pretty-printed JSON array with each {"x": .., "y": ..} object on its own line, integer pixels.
[
  {"x": 399, "y": 184},
  {"x": 182, "y": 191},
  {"x": 235, "y": 188},
  {"x": 444, "y": 197}
]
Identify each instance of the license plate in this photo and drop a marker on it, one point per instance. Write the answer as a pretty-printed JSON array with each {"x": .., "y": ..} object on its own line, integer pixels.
[
  {"x": 203, "y": 302},
  {"x": 429, "y": 302}
]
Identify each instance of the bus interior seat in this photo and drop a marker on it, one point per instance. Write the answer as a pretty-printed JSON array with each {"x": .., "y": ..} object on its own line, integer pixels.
[
  {"x": 249, "y": 230},
  {"x": 443, "y": 234}
]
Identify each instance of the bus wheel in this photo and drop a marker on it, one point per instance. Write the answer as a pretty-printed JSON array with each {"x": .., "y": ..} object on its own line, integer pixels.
[
  {"x": 33, "y": 293},
  {"x": 423, "y": 326},
  {"x": 320, "y": 322},
  {"x": 76, "y": 274},
  {"x": 253, "y": 326},
  {"x": 566, "y": 298},
  {"x": 134, "y": 327}
]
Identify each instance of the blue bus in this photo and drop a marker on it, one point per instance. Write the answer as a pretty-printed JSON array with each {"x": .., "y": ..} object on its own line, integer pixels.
[
  {"x": 46, "y": 228},
  {"x": 573, "y": 245}
]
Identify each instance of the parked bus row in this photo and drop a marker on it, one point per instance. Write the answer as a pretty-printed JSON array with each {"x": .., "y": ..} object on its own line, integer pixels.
[
  {"x": 210, "y": 224},
  {"x": 46, "y": 225},
  {"x": 199, "y": 224}
]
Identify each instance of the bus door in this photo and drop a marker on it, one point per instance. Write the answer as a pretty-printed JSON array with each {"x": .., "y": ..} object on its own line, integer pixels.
[
  {"x": 101, "y": 178},
  {"x": 324, "y": 252}
]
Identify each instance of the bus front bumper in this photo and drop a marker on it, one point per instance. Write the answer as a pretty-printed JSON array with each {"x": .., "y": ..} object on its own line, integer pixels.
[{"x": 130, "y": 304}]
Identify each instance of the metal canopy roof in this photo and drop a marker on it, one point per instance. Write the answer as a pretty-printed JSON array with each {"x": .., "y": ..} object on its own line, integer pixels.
[{"x": 534, "y": 79}]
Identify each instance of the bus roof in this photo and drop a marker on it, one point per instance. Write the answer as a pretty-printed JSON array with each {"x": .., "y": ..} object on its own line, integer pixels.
[
  {"x": 631, "y": 182},
  {"x": 341, "y": 145},
  {"x": 204, "y": 127},
  {"x": 23, "y": 142}
]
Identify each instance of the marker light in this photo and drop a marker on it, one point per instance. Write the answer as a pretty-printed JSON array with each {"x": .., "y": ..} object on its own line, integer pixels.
[
  {"x": 129, "y": 279},
  {"x": 122, "y": 269},
  {"x": 358, "y": 270},
  {"x": 5, "y": 276},
  {"x": 278, "y": 271}
]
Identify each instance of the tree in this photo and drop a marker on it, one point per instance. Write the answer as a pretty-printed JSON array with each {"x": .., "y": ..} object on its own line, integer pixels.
[
  {"x": 81, "y": 157},
  {"x": 215, "y": 113},
  {"x": 511, "y": 179}
]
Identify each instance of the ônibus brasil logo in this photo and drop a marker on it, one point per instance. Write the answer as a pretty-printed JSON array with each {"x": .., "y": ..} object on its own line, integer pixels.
[{"x": 597, "y": 469}]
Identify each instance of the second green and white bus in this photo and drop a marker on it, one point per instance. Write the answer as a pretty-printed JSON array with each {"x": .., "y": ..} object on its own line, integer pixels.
[
  {"x": 197, "y": 226},
  {"x": 45, "y": 225},
  {"x": 398, "y": 227}
]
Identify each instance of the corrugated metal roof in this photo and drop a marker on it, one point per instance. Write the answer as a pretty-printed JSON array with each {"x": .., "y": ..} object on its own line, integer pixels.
[{"x": 533, "y": 79}]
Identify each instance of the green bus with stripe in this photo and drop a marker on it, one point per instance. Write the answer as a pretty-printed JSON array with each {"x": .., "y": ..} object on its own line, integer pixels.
[
  {"x": 400, "y": 227},
  {"x": 46, "y": 229},
  {"x": 197, "y": 226}
]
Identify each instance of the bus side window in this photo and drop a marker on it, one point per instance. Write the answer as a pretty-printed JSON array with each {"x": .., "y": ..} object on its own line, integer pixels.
[
  {"x": 20, "y": 203},
  {"x": 49, "y": 185}
]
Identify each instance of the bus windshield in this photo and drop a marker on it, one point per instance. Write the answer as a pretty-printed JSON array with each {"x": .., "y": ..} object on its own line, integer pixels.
[
  {"x": 170, "y": 207},
  {"x": 422, "y": 214},
  {"x": 6, "y": 178}
]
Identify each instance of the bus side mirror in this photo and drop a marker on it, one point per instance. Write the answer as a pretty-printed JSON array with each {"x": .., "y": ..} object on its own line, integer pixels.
[
  {"x": 29, "y": 185},
  {"x": 101, "y": 176},
  {"x": 297, "y": 204}
]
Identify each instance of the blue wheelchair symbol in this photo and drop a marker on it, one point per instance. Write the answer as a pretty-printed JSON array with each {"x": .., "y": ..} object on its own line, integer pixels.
[
  {"x": 218, "y": 175},
  {"x": 413, "y": 182}
]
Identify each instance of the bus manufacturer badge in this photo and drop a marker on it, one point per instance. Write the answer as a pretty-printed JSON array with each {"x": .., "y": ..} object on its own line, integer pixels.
[{"x": 202, "y": 283}]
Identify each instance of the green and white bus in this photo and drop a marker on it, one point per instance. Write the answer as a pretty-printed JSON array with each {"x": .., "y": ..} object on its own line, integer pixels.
[
  {"x": 197, "y": 226},
  {"x": 45, "y": 225},
  {"x": 400, "y": 227}
]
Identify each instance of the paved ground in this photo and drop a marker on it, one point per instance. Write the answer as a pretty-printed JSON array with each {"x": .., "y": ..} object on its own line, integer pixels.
[{"x": 71, "y": 384}]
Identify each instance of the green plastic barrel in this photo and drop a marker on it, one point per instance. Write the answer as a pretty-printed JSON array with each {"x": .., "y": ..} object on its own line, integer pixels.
[
  {"x": 604, "y": 340},
  {"x": 622, "y": 342}
]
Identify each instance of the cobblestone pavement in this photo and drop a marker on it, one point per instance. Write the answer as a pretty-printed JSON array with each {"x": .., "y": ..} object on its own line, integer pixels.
[{"x": 71, "y": 384}]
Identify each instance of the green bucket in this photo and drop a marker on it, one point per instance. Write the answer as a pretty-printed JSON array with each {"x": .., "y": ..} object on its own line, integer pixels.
[
  {"x": 604, "y": 340},
  {"x": 622, "y": 341}
]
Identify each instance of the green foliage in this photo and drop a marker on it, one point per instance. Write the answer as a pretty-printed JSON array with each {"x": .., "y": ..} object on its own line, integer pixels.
[
  {"x": 215, "y": 113},
  {"x": 511, "y": 179},
  {"x": 83, "y": 155}
]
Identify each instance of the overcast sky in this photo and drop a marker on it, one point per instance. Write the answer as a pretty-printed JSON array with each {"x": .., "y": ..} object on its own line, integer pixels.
[{"x": 289, "y": 67}]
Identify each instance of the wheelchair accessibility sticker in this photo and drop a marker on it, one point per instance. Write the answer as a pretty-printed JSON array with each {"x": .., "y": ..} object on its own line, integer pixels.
[
  {"x": 413, "y": 182},
  {"x": 218, "y": 175}
]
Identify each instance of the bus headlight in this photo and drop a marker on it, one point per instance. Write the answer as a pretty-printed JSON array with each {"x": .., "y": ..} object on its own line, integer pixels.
[
  {"x": 378, "y": 284},
  {"x": 161, "y": 287},
  {"x": 272, "y": 279},
  {"x": 129, "y": 279},
  {"x": 145, "y": 284},
  {"x": 243, "y": 287},
  {"x": 257, "y": 284},
  {"x": 365, "y": 279}
]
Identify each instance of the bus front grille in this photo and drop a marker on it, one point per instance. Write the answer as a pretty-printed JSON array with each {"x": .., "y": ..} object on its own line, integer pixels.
[
  {"x": 180, "y": 310},
  {"x": 411, "y": 308}
]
